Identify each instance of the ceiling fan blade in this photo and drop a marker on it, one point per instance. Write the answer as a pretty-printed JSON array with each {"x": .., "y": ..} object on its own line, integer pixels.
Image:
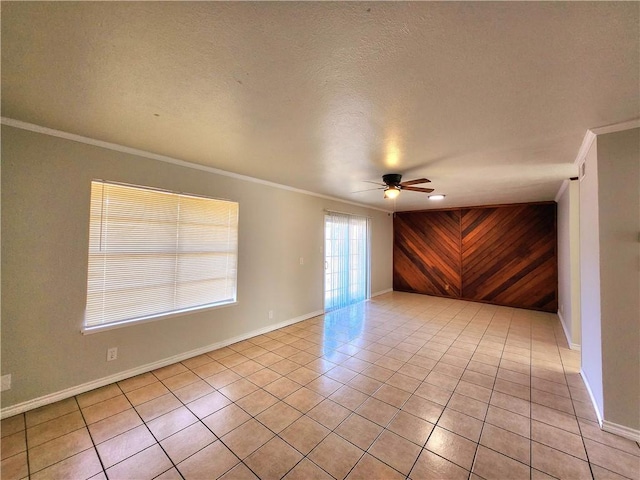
[
  {"x": 369, "y": 190},
  {"x": 415, "y": 182},
  {"x": 418, "y": 189},
  {"x": 375, "y": 183}
]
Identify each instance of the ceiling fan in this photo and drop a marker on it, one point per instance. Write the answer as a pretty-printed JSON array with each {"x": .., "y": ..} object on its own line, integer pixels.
[{"x": 392, "y": 184}]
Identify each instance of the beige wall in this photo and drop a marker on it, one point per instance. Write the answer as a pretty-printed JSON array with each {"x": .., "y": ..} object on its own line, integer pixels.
[
  {"x": 45, "y": 215},
  {"x": 569, "y": 262},
  {"x": 619, "y": 214}
]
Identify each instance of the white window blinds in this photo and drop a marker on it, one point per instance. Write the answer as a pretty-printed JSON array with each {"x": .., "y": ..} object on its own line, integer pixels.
[
  {"x": 346, "y": 260},
  {"x": 154, "y": 252}
]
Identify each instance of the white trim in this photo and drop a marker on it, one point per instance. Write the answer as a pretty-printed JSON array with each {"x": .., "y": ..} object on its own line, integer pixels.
[
  {"x": 593, "y": 399},
  {"x": 381, "y": 292},
  {"x": 564, "y": 328},
  {"x": 563, "y": 187},
  {"x": 617, "y": 127},
  {"x": 162, "y": 158},
  {"x": 626, "y": 432},
  {"x": 101, "y": 382},
  {"x": 103, "y": 327},
  {"x": 588, "y": 139},
  {"x": 572, "y": 346},
  {"x": 582, "y": 170},
  {"x": 592, "y": 133}
]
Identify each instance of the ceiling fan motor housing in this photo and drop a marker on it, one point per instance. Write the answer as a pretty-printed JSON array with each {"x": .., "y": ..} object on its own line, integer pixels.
[{"x": 392, "y": 179}]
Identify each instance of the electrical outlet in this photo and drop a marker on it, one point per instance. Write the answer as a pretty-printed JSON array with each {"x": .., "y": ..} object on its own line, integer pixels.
[
  {"x": 301, "y": 260},
  {"x": 5, "y": 382},
  {"x": 112, "y": 354},
  {"x": 270, "y": 314}
]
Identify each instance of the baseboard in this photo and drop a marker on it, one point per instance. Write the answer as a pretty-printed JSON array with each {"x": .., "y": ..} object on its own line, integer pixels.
[
  {"x": 572, "y": 346},
  {"x": 610, "y": 427},
  {"x": 381, "y": 292},
  {"x": 621, "y": 430},
  {"x": 101, "y": 382},
  {"x": 593, "y": 400},
  {"x": 564, "y": 328}
]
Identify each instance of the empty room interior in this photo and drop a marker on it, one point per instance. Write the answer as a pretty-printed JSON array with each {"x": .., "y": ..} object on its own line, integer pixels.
[{"x": 320, "y": 240}]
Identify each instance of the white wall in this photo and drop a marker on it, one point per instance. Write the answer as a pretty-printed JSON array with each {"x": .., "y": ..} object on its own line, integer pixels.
[
  {"x": 610, "y": 279},
  {"x": 576, "y": 314},
  {"x": 45, "y": 227},
  {"x": 569, "y": 262},
  {"x": 590, "y": 279},
  {"x": 619, "y": 216}
]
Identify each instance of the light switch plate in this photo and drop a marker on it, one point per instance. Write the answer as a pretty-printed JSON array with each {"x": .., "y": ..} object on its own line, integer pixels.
[{"x": 5, "y": 382}]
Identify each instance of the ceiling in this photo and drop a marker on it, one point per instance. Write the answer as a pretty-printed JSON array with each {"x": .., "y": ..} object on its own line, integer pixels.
[{"x": 489, "y": 100}]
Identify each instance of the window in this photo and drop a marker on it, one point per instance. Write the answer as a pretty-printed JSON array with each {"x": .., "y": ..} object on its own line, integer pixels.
[{"x": 153, "y": 253}]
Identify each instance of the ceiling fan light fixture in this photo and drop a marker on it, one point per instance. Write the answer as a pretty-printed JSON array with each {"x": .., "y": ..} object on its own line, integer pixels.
[
  {"x": 391, "y": 191},
  {"x": 436, "y": 197}
]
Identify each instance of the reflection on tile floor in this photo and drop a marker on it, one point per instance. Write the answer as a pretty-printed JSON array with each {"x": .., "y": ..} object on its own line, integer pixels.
[{"x": 402, "y": 386}]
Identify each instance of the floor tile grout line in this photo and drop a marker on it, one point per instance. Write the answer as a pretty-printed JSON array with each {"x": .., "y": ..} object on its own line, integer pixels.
[
  {"x": 85, "y": 426},
  {"x": 253, "y": 417},
  {"x": 200, "y": 420},
  {"x": 442, "y": 326},
  {"x": 564, "y": 373},
  {"x": 276, "y": 435},
  {"x": 601, "y": 443},
  {"x": 334, "y": 431},
  {"x": 530, "y": 410},
  {"x": 445, "y": 406},
  {"x": 95, "y": 447},
  {"x": 150, "y": 432},
  {"x": 26, "y": 444},
  {"x": 486, "y": 413},
  {"x": 365, "y": 452}
]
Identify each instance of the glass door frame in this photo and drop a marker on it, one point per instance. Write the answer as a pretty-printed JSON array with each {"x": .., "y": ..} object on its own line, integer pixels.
[{"x": 368, "y": 229}]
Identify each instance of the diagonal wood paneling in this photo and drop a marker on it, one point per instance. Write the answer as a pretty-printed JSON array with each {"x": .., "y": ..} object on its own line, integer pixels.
[
  {"x": 504, "y": 255},
  {"x": 509, "y": 255},
  {"x": 426, "y": 253}
]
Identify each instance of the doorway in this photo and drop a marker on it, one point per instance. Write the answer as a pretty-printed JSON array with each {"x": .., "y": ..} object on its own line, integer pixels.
[{"x": 346, "y": 255}]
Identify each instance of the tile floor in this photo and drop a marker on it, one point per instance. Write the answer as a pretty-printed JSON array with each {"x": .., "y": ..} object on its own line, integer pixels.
[{"x": 403, "y": 386}]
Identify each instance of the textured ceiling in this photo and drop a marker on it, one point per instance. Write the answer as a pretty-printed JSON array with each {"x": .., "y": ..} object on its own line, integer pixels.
[{"x": 489, "y": 100}]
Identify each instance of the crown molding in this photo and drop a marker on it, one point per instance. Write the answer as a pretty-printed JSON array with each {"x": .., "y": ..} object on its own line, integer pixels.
[
  {"x": 587, "y": 141},
  {"x": 592, "y": 133},
  {"x": 617, "y": 127},
  {"x": 563, "y": 187},
  {"x": 11, "y": 122}
]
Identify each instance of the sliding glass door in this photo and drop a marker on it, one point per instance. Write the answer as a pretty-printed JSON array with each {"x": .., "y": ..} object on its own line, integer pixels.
[{"x": 346, "y": 278}]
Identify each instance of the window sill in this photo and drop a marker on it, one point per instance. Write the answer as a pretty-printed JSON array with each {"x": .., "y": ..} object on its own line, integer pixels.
[{"x": 152, "y": 318}]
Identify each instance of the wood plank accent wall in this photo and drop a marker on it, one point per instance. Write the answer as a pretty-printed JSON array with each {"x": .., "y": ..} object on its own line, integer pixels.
[
  {"x": 504, "y": 255},
  {"x": 426, "y": 253}
]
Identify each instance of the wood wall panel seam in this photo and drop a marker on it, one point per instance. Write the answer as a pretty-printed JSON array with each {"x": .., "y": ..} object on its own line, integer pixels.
[{"x": 502, "y": 254}]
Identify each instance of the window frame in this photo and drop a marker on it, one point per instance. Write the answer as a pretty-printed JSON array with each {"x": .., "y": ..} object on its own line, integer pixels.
[{"x": 90, "y": 329}]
